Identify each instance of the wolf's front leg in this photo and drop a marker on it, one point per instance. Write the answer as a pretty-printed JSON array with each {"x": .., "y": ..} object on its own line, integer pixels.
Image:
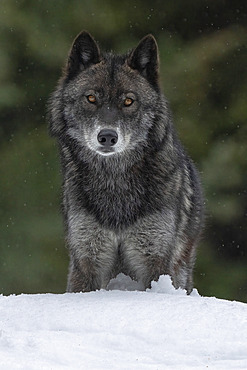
[
  {"x": 147, "y": 245},
  {"x": 83, "y": 276},
  {"x": 181, "y": 264},
  {"x": 93, "y": 255}
]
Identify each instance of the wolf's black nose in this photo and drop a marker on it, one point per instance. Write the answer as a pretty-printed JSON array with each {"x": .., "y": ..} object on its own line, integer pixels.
[{"x": 107, "y": 137}]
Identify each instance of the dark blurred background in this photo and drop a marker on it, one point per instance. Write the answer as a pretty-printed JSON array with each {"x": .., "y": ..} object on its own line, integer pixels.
[{"x": 204, "y": 76}]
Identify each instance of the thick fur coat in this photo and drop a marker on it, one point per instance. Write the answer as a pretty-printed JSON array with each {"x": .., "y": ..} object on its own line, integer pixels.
[{"x": 132, "y": 199}]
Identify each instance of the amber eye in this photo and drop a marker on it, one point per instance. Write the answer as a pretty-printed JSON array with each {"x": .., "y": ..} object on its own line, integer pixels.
[
  {"x": 91, "y": 98},
  {"x": 128, "y": 102}
]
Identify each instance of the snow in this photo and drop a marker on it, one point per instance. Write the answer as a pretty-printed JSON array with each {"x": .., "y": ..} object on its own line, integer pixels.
[{"x": 161, "y": 328}]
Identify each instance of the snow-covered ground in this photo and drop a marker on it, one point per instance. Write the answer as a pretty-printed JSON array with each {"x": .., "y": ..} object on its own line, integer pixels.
[{"x": 161, "y": 328}]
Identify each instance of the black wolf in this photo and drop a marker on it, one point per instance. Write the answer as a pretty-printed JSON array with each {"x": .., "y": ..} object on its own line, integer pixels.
[{"x": 132, "y": 199}]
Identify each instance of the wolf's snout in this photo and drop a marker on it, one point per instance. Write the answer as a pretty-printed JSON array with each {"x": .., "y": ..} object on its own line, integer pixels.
[{"x": 107, "y": 137}]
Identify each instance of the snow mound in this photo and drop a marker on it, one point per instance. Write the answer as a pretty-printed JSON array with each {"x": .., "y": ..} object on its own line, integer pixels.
[
  {"x": 123, "y": 282},
  {"x": 112, "y": 329},
  {"x": 164, "y": 285}
]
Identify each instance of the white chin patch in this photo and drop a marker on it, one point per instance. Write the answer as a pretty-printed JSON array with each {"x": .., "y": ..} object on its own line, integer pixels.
[{"x": 105, "y": 154}]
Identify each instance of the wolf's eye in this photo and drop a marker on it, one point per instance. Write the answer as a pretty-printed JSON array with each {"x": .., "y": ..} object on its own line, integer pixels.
[
  {"x": 128, "y": 102},
  {"x": 91, "y": 98}
]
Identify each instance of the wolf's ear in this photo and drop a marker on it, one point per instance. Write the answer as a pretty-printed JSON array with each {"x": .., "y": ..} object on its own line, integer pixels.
[
  {"x": 83, "y": 53},
  {"x": 145, "y": 59}
]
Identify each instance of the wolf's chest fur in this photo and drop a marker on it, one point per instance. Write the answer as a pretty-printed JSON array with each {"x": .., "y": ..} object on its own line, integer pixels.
[{"x": 114, "y": 197}]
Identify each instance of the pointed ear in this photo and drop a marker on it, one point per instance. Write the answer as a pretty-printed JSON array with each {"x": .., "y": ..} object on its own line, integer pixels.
[
  {"x": 83, "y": 53},
  {"x": 145, "y": 59}
]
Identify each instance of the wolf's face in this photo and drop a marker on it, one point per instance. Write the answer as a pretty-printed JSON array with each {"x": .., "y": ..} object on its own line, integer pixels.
[{"x": 109, "y": 101}]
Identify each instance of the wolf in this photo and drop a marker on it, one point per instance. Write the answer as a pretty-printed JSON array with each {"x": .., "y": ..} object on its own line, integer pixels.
[{"x": 132, "y": 199}]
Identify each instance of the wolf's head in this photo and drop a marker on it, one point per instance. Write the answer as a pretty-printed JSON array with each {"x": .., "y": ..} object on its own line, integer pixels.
[{"x": 110, "y": 104}]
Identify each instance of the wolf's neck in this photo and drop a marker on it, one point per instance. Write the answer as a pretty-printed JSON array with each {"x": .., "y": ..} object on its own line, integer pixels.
[{"x": 115, "y": 195}]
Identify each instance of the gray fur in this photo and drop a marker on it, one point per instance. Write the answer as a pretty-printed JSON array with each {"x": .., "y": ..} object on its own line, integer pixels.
[{"x": 135, "y": 207}]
